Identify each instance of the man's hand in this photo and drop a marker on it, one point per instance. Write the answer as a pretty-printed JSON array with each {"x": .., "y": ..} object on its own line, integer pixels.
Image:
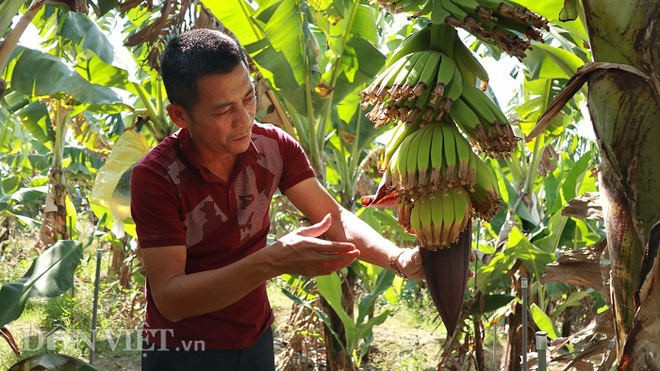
[
  {"x": 300, "y": 252},
  {"x": 410, "y": 264}
]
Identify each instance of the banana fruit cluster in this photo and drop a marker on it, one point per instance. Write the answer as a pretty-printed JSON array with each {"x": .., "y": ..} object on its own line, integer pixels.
[
  {"x": 435, "y": 166},
  {"x": 432, "y": 74},
  {"x": 499, "y": 22}
]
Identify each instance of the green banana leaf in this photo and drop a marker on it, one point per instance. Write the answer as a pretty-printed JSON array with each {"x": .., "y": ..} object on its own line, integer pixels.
[
  {"x": 491, "y": 302},
  {"x": 549, "y": 62},
  {"x": 329, "y": 287},
  {"x": 83, "y": 31},
  {"x": 286, "y": 48},
  {"x": 50, "y": 274},
  {"x": 273, "y": 36},
  {"x": 543, "y": 321},
  {"x": 494, "y": 275},
  {"x": 39, "y": 74},
  {"x": 36, "y": 120}
]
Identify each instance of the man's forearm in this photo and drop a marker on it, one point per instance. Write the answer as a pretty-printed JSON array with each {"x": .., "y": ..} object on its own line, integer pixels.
[
  {"x": 374, "y": 248},
  {"x": 204, "y": 292}
]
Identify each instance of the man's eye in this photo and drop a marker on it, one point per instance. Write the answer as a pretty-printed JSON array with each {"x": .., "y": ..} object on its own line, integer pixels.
[{"x": 250, "y": 99}]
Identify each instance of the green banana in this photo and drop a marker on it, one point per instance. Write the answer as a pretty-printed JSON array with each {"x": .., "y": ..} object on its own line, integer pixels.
[
  {"x": 437, "y": 158},
  {"x": 395, "y": 142},
  {"x": 416, "y": 222},
  {"x": 424, "y": 158},
  {"x": 472, "y": 172},
  {"x": 446, "y": 72},
  {"x": 411, "y": 184},
  {"x": 402, "y": 161},
  {"x": 486, "y": 182},
  {"x": 404, "y": 210},
  {"x": 426, "y": 217},
  {"x": 464, "y": 117},
  {"x": 463, "y": 152},
  {"x": 462, "y": 212},
  {"x": 415, "y": 42},
  {"x": 392, "y": 172},
  {"x": 448, "y": 218},
  {"x": 468, "y": 6},
  {"x": 424, "y": 77},
  {"x": 449, "y": 146},
  {"x": 455, "y": 88},
  {"x": 466, "y": 60},
  {"x": 474, "y": 98},
  {"x": 438, "y": 222},
  {"x": 409, "y": 66},
  {"x": 455, "y": 10},
  {"x": 415, "y": 75}
]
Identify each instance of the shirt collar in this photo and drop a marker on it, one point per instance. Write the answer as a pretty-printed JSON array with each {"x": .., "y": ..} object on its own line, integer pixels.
[{"x": 242, "y": 160}]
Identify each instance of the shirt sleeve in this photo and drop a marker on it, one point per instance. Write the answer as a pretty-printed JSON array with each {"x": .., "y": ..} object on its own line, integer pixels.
[
  {"x": 296, "y": 166},
  {"x": 155, "y": 208}
]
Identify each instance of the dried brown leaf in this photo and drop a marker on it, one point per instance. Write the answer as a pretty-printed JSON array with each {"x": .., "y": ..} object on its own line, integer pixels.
[{"x": 586, "y": 206}]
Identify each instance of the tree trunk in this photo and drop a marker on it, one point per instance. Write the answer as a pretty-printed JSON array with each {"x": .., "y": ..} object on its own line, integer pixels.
[
  {"x": 53, "y": 227},
  {"x": 513, "y": 352},
  {"x": 625, "y": 109}
]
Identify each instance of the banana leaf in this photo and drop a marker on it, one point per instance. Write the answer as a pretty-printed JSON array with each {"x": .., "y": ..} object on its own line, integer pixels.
[
  {"x": 83, "y": 31},
  {"x": 50, "y": 274},
  {"x": 39, "y": 74}
]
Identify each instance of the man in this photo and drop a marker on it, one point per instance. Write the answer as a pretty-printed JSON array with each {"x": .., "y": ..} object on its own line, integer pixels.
[{"x": 200, "y": 200}]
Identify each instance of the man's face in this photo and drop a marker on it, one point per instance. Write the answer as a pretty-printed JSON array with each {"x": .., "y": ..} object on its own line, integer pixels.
[{"x": 220, "y": 123}]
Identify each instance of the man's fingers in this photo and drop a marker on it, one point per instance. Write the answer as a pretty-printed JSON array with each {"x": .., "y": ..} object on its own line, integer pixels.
[
  {"x": 333, "y": 247},
  {"x": 416, "y": 258},
  {"x": 316, "y": 229}
]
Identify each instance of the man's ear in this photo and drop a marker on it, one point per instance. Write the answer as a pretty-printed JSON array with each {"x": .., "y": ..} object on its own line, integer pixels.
[{"x": 178, "y": 115}]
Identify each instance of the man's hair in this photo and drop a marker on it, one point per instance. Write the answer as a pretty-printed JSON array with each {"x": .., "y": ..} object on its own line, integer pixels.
[{"x": 192, "y": 55}]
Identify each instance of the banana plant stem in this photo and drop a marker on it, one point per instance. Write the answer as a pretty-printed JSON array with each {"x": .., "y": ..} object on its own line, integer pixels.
[{"x": 10, "y": 42}]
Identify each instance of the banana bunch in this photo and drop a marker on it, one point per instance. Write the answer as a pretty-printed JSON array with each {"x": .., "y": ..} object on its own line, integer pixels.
[
  {"x": 483, "y": 122},
  {"x": 428, "y": 91},
  {"x": 496, "y": 22},
  {"x": 424, "y": 76},
  {"x": 437, "y": 159},
  {"x": 418, "y": 88},
  {"x": 434, "y": 158},
  {"x": 439, "y": 185},
  {"x": 438, "y": 220}
]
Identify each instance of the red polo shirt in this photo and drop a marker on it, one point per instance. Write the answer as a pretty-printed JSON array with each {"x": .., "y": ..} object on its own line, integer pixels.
[{"x": 175, "y": 201}]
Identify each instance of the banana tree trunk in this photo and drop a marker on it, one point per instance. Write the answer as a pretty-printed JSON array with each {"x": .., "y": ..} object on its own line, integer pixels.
[
  {"x": 53, "y": 227},
  {"x": 625, "y": 109}
]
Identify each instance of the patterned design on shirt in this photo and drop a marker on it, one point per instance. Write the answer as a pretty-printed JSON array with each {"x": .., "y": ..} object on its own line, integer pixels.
[
  {"x": 206, "y": 212},
  {"x": 175, "y": 169},
  {"x": 253, "y": 195}
]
